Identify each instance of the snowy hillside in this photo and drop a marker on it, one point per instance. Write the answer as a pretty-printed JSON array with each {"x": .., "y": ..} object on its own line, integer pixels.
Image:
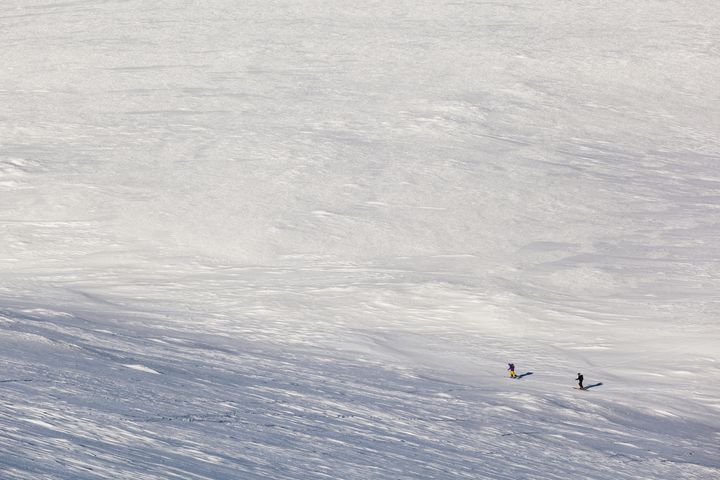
[{"x": 303, "y": 239}]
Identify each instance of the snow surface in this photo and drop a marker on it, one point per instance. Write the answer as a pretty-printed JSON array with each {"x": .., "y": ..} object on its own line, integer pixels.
[{"x": 302, "y": 239}]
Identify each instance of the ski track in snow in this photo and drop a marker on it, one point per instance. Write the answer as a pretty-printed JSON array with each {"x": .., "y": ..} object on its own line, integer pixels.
[{"x": 302, "y": 240}]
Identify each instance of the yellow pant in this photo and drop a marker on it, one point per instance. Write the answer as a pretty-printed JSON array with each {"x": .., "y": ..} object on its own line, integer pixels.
[{"x": 512, "y": 374}]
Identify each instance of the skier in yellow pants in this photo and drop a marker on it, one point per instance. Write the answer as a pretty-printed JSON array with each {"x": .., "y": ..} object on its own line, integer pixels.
[{"x": 511, "y": 369}]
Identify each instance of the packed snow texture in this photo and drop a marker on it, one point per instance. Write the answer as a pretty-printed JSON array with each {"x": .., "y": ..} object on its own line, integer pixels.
[{"x": 302, "y": 239}]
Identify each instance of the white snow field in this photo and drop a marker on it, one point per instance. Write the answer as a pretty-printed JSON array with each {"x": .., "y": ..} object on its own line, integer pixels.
[{"x": 302, "y": 239}]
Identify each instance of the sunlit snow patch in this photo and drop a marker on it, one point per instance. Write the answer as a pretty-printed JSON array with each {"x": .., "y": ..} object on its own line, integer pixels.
[{"x": 142, "y": 368}]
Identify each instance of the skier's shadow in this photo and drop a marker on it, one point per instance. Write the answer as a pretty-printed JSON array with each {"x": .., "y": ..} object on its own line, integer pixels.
[
  {"x": 594, "y": 385},
  {"x": 525, "y": 374}
]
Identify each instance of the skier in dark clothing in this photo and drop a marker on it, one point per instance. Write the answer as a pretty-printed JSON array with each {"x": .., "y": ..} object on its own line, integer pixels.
[
  {"x": 580, "y": 380},
  {"x": 511, "y": 369}
]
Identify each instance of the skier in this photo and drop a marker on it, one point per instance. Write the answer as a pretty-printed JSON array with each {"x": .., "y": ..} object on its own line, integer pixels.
[
  {"x": 580, "y": 380},
  {"x": 511, "y": 368}
]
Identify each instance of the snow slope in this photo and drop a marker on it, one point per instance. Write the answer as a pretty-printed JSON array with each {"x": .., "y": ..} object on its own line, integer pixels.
[{"x": 301, "y": 240}]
